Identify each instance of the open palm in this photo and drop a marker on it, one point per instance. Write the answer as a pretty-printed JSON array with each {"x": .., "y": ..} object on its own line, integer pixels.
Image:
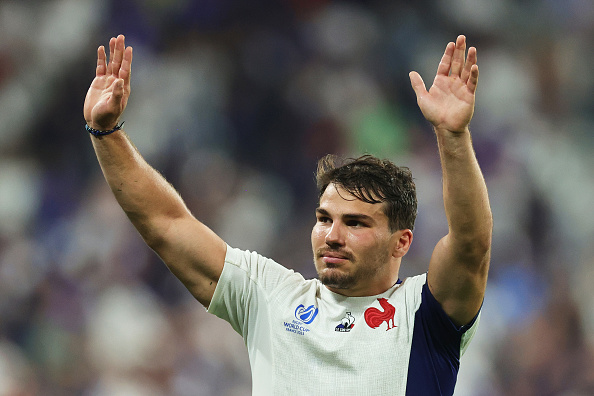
[
  {"x": 108, "y": 94},
  {"x": 449, "y": 103}
]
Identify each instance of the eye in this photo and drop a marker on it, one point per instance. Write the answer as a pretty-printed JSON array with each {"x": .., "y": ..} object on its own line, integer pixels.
[
  {"x": 356, "y": 223},
  {"x": 324, "y": 219}
]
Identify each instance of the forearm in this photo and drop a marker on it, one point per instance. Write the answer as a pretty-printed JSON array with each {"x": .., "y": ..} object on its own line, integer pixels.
[
  {"x": 465, "y": 193},
  {"x": 148, "y": 200}
]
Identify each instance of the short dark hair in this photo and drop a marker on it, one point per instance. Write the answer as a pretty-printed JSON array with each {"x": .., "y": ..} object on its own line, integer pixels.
[{"x": 373, "y": 180}]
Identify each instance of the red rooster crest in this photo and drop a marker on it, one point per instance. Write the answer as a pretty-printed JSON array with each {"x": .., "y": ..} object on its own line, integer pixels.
[{"x": 374, "y": 317}]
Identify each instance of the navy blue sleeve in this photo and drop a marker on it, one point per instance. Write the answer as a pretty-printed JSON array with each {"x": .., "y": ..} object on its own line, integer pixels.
[{"x": 435, "y": 352}]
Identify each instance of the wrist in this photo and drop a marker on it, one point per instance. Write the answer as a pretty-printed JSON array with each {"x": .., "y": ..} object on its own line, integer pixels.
[
  {"x": 103, "y": 132},
  {"x": 446, "y": 131},
  {"x": 453, "y": 143},
  {"x": 104, "y": 123}
]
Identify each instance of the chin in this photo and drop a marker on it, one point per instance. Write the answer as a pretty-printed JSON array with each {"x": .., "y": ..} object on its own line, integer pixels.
[{"x": 336, "y": 279}]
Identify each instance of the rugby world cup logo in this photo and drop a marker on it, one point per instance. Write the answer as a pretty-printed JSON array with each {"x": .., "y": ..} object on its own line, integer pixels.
[{"x": 306, "y": 315}]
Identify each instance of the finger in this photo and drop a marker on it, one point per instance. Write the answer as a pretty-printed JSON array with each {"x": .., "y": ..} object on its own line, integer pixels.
[
  {"x": 126, "y": 68},
  {"x": 446, "y": 60},
  {"x": 117, "y": 92},
  {"x": 118, "y": 55},
  {"x": 470, "y": 61},
  {"x": 101, "y": 59},
  {"x": 473, "y": 79},
  {"x": 458, "y": 58},
  {"x": 112, "y": 43},
  {"x": 418, "y": 85}
]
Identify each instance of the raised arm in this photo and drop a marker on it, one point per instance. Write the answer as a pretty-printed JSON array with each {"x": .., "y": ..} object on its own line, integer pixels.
[
  {"x": 459, "y": 265},
  {"x": 192, "y": 251}
]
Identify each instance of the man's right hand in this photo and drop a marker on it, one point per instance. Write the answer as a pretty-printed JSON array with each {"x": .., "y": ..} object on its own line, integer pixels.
[{"x": 109, "y": 92}]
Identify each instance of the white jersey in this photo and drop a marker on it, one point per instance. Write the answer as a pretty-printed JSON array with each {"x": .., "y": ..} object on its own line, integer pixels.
[{"x": 304, "y": 339}]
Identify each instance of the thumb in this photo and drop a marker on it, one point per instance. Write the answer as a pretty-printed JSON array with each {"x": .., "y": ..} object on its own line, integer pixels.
[{"x": 418, "y": 85}]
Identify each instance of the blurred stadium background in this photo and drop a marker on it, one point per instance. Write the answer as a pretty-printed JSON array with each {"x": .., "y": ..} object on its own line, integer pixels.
[{"x": 234, "y": 101}]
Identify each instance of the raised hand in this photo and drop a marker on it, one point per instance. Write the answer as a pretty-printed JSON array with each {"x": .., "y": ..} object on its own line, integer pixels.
[
  {"x": 449, "y": 103},
  {"x": 109, "y": 92}
]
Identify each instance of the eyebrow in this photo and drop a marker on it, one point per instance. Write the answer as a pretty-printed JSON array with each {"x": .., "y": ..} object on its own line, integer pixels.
[{"x": 348, "y": 216}]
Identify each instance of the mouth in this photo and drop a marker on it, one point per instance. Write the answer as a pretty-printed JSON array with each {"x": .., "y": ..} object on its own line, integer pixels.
[{"x": 332, "y": 258}]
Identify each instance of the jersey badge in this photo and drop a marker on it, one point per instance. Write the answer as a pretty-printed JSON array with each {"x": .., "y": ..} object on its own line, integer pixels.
[
  {"x": 306, "y": 315},
  {"x": 346, "y": 323},
  {"x": 303, "y": 317},
  {"x": 375, "y": 317}
]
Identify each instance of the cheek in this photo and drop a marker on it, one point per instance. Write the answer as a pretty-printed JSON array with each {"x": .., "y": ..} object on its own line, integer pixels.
[
  {"x": 368, "y": 244},
  {"x": 317, "y": 235}
]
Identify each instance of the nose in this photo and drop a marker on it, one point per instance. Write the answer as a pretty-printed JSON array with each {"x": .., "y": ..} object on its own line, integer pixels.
[{"x": 335, "y": 235}]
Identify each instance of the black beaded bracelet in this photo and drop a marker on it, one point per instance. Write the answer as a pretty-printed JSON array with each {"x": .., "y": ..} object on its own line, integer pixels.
[{"x": 96, "y": 132}]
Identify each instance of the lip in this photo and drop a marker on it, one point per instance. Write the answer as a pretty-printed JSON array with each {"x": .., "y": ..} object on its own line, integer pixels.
[{"x": 333, "y": 258}]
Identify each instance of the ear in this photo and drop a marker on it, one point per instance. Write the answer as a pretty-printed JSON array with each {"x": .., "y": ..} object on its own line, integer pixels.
[{"x": 403, "y": 239}]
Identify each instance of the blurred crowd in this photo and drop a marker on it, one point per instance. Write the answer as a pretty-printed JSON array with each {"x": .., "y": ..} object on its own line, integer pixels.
[{"x": 234, "y": 101}]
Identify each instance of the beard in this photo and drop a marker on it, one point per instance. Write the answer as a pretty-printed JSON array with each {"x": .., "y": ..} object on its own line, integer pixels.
[{"x": 337, "y": 280}]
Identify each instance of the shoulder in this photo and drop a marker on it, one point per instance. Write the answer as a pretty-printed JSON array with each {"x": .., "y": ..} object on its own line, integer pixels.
[
  {"x": 413, "y": 286},
  {"x": 265, "y": 273},
  {"x": 416, "y": 281}
]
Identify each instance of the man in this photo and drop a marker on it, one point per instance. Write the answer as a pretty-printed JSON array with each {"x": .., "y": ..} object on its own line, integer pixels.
[{"x": 359, "y": 329}]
